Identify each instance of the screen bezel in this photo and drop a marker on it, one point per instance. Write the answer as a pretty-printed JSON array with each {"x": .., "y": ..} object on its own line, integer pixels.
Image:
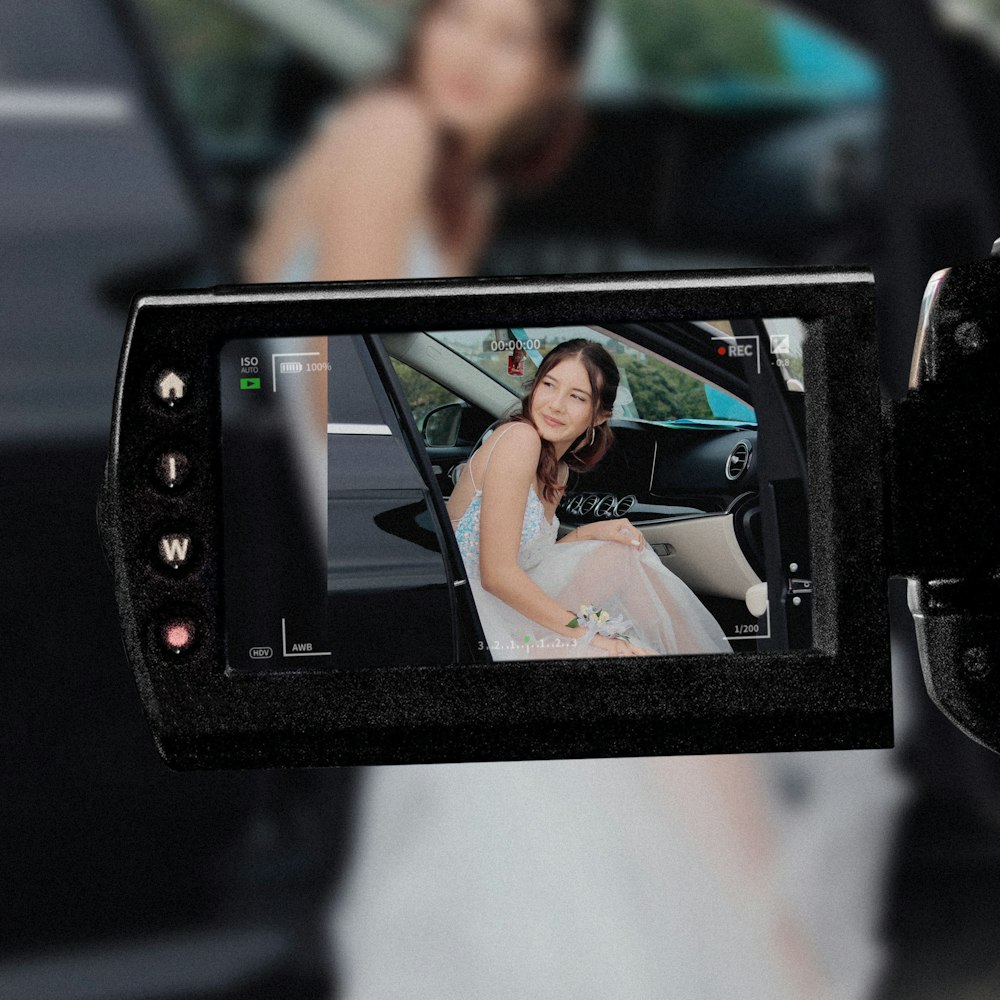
[{"x": 836, "y": 695}]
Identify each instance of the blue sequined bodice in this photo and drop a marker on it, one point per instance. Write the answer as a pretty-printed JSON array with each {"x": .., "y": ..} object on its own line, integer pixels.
[{"x": 537, "y": 533}]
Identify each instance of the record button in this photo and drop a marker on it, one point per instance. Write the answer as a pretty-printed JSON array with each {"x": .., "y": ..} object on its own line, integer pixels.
[{"x": 178, "y": 635}]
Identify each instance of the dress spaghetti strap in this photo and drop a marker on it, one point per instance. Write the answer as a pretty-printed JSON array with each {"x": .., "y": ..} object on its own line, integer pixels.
[{"x": 488, "y": 459}]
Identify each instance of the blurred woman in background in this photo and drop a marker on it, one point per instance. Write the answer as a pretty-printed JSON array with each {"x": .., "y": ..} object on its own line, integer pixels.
[
  {"x": 609, "y": 879},
  {"x": 404, "y": 179}
]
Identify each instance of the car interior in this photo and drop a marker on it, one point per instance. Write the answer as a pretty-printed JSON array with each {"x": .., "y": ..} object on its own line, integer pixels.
[{"x": 688, "y": 482}]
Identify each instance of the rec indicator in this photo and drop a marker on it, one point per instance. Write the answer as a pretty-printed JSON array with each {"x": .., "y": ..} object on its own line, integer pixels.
[{"x": 249, "y": 383}]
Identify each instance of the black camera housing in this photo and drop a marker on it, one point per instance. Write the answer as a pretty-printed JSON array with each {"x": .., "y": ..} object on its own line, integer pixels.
[
  {"x": 203, "y": 713},
  {"x": 943, "y": 481}
]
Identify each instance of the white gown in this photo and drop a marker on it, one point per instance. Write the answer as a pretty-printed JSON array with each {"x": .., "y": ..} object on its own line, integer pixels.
[
  {"x": 666, "y": 615},
  {"x": 561, "y": 879}
]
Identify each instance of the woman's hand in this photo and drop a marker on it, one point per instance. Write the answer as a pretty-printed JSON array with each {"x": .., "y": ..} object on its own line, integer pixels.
[
  {"x": 620, "y": 647},
  {"x": 620, "y": 530}
]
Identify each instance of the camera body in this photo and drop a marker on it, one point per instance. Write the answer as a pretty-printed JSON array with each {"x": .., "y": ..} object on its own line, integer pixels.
[
  {"x": 943, "y": 473},
  {"x": 291, "y": 590}
]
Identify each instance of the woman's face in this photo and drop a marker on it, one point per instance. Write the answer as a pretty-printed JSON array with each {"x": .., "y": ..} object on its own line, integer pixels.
[
  {"x": 562, "y": 403},
  {"x": 482, "y": 63}
]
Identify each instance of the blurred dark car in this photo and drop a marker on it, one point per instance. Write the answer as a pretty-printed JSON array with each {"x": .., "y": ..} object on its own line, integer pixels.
[
  {"x": 133, "y": 142},
  {"x": 119, "y": 877}
]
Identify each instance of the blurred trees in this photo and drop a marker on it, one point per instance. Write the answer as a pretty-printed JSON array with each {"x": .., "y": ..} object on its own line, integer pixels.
[
  {"x": 670, "y": 40},
  {"x": 675, "y": 40},
  {"x": 422, "y": 393},
  {"x": 661, "y": 392}
]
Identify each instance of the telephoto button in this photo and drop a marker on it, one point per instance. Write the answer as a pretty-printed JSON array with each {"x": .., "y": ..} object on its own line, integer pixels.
[{"x": 172, "y": 469}]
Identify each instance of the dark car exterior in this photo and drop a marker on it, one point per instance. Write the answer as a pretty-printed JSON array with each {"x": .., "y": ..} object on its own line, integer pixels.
[{"x": 120, "y": 878}]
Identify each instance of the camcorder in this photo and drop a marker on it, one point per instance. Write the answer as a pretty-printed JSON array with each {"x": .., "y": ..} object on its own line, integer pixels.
[{"x": 277, "y": 511}]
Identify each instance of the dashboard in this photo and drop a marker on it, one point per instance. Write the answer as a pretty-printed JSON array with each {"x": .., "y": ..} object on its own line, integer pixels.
[{"x": 692, "y": 489}]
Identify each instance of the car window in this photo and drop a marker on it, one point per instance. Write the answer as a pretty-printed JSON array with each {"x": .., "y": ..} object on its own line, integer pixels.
[
  {"x": 979, "y": 17},
  {"x": 422, "y": 394},
  {"x": 651, "y": 388},
  {"x": 740, "y": 54},
  {"x": 725, "y": 53}
]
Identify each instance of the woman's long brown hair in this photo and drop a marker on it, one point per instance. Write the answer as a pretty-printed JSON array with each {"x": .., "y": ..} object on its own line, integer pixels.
[
  {"x": 582, "y": 454},
  {"x": 535, "y": 148}
]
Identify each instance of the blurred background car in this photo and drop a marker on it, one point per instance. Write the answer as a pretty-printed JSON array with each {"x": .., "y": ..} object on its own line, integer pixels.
[
  {"x": 136, "y": 140},
  {"x": 698, "y": 118}
]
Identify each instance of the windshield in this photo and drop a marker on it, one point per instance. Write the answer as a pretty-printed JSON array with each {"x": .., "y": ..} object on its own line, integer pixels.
[
  {"x": 724, "y": 55},
  {"x": 651, "y": 388}
]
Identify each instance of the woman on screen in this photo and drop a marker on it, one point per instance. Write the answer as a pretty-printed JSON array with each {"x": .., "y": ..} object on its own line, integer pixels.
[
  {"x": 598, "y": 591},
  {"x": 403, "y": 180}
]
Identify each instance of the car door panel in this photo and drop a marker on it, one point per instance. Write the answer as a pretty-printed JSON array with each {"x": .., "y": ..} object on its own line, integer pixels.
[
  {"x": 705, "y": 553},
  {"x": 468, "y": 642}
]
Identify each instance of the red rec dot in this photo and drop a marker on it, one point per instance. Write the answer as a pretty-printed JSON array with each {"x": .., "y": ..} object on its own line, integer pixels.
[
  {"x": 720, "y": 350},
  {"x": 178, "y": 635}
]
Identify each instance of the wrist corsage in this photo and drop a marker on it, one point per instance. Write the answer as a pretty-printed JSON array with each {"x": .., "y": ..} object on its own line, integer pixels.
[{"x": 597, "y": 621}]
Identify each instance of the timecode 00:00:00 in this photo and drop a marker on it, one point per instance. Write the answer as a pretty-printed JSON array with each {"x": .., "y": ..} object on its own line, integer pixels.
[{"x": 515, "y": 345}]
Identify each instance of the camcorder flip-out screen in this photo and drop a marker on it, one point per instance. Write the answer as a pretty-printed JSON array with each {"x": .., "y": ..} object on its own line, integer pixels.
[
  {"x": 503, "y": 518},
  {"x": 327, "y": 506}
]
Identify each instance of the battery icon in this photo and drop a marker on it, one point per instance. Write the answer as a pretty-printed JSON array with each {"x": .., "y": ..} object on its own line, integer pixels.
[
  {"x": 290, "y": 367},
  {"x": 249, "y": 383}
]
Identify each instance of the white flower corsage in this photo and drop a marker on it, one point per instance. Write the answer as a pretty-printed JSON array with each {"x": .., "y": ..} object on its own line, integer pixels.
[{"x": 597, "y": 621}]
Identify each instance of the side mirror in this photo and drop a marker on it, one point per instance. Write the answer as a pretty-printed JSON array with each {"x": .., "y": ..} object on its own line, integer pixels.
[{"x": 440, "y": 426}]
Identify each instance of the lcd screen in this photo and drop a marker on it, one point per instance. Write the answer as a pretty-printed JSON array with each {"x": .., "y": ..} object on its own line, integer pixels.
[{"x": 469, "y": 496}]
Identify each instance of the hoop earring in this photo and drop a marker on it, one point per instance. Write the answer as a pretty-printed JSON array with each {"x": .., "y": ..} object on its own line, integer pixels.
[{"x": 593, "y": 435}]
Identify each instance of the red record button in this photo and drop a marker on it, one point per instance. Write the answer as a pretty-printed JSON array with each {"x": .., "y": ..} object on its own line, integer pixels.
[{"x": 178, "y": 635}]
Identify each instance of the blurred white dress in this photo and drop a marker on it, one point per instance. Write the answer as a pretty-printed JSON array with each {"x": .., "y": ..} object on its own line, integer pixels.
[
  {"x": 562, "y": 880},
  {"x": 622, "y": 580},
  {"x": 582, "y": 879}
]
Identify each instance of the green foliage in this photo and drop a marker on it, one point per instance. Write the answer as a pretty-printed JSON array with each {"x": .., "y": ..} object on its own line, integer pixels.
[
  {"x": 218, "y": 63},
  {"x": 989, "y": 8},
  {"x": 663, "y": 393},
  {"x": 194, "y": 31},
  {"x": 423, "y": 394},
  {"x": 678, "y": 40}
]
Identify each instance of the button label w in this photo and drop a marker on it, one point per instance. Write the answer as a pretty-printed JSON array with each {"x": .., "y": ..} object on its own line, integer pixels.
[{"x": 174, "y": 549}]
